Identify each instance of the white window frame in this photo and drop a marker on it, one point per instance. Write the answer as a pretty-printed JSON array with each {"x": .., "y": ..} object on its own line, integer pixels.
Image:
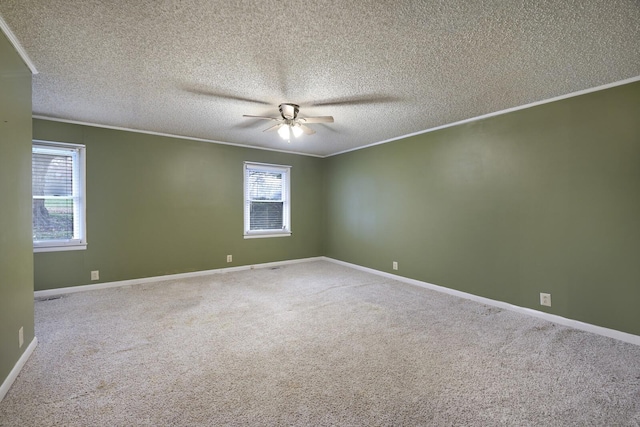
[
  {"x": 79, "y": 242},
  {"x": 286, "y": 199}
]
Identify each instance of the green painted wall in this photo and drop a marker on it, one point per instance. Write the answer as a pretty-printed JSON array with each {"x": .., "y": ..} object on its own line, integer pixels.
[
  {"x": 159, "y": 205},
  {"x": 16, "y": 260},
  {"x": 545, "y": 199}
]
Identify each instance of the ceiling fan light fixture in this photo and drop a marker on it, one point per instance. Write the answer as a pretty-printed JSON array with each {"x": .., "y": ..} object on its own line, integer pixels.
[
  {"x": 297, "y": 130},
  {"x": 289, "y": 123},
  {"x": 284, "y": 132}
]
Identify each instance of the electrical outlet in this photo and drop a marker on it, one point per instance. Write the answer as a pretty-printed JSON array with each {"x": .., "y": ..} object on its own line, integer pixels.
[
  {"x": 545, "y": 299},
  {"x": 20, "y": 337},
  {"x": 229, "y": 258},
  {"x": 95, "y": 275},
  {"x": 395, "y": 265}
]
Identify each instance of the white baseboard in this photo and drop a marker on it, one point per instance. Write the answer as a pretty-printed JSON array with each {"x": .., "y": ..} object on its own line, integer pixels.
[
  {"x": 588, "y": 327},
  {"x": 611, "y": 333},
  {"x": 6, "y": 385},
  {"x": 105, "y": 285}
]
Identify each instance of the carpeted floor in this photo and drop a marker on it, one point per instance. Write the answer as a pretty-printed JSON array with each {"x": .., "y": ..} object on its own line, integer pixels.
[{"x": 312, "y": 344}]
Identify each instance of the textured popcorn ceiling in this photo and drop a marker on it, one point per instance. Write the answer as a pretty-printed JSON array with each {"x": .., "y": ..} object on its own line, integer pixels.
[{"x": 383, "y": 69}]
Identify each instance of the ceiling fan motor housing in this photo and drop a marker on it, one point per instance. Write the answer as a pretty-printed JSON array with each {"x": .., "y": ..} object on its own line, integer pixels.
[{"x": 289, "y": 111}]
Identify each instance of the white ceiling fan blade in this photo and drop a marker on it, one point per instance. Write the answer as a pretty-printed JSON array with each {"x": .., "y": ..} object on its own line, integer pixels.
[
  {"x": 274, "y": 127},
  {"x": 318, "y": 119},
  {"x": 261, "y": 117},
  {"x": 307, "y": 129},
  {"x": 211, "y": 92},
  {"x": 358, "y": 100}
]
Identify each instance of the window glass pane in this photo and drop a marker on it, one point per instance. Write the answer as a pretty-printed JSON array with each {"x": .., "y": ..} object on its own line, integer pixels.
[
  {"x": 52, "y": 175},
  {"x": 264, "y": 185},
  {"x": 52, "y": 219},
  {"x": 53, "y": 194},
  {"x": 266, "y": 216},
  {"x": 267, "y": 200}
]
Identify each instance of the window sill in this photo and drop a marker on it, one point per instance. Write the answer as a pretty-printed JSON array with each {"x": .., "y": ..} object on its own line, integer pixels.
[
  {"x": 263, "y": 235},
  {"x": 37, "y": 249}
]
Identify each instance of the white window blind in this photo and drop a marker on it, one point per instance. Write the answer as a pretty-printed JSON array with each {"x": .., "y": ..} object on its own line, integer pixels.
[
  {"x": 267, "y": 204},
  {"x": 58, "y": 195}
]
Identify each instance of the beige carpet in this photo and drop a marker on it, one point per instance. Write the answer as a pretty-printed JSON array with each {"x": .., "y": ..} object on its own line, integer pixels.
[{"x": 312, "y": 344}]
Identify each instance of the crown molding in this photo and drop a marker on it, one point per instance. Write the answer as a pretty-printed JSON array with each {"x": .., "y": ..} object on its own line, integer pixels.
[
  {"x": 448, "y": 125},
  {"x": 168, "y": 135},
  {"x": 17, "y": 46},
  {"x": 496, "y": 113}
]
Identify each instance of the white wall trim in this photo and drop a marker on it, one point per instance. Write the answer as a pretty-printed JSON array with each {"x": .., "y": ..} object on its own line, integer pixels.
[
  {"x": 611, "y": 333},
  {"x": 8, "y": 382},
  {"x": 37, "y": 249},
  {"x": 169, "y": 135},
  {"x": 17, "y": 46},
  {"x": 266, "y": 235},
  {"x": 496, "y": 113},
  {"x": 106, "y": 285},
  {"x": 447, "y": 125}
]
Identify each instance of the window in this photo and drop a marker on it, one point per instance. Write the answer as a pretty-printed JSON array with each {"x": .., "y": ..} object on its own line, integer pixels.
[
  {"x": 266, "y": 200},
  {"x": 58, "y": 196}
]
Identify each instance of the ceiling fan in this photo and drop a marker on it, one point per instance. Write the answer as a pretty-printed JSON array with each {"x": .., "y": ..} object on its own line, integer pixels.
[{"x": 290, "y": 123}]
